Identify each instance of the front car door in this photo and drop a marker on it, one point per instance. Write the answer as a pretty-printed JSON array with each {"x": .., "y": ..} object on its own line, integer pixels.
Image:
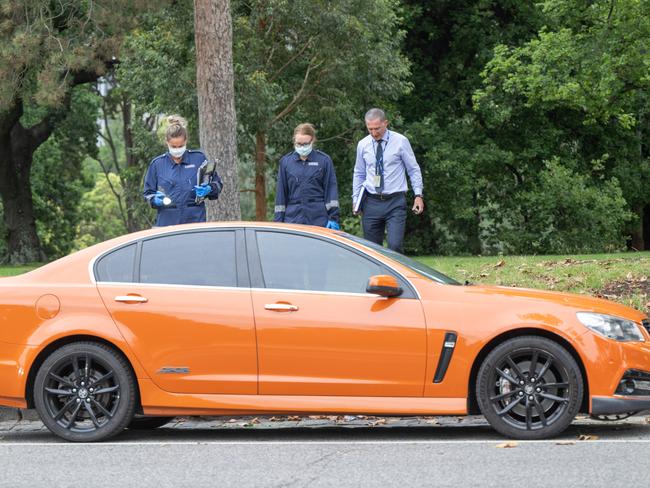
[
  {"x": 319, "y": 332},
  {"x": 182, "y": 302}
]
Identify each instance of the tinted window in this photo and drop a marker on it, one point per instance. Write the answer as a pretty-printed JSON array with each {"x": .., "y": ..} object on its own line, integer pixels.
[
  {"x": 197, "y": 258},
  {"x": 297, "y": 262},
  {"x": 420, "y": 268},
  {"x": 117, "y": 266}
]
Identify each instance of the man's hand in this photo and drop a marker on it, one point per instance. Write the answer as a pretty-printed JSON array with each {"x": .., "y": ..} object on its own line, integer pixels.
[
  {"x": 202, "y": 190},
  {"x": 418, "y": 205}
]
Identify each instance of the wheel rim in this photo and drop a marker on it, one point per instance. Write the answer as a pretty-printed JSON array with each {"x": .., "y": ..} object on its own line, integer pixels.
[
  {"x": 529, "y": 389},
  {"x": 81, "y": 393}
]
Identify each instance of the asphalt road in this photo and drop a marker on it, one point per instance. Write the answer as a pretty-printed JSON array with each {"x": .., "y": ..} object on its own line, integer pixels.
[{"x": 611, "y": 455}]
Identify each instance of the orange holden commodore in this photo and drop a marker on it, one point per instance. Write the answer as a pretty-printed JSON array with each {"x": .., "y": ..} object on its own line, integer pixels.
[{"x": 243, "y": 318}]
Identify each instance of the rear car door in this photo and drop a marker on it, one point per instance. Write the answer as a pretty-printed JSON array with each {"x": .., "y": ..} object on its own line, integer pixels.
[{"x": 182, "y": 301}]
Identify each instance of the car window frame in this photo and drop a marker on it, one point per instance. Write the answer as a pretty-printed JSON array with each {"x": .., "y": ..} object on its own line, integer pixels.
[
  {"x": 241, "y": 264},
  {"x": 257, "y": 276}
]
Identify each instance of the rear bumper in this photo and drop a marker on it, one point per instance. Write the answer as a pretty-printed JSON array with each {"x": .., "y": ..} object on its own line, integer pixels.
[
  {"x": 13, "y": 373},
  {"x": 618, "y": 404}
]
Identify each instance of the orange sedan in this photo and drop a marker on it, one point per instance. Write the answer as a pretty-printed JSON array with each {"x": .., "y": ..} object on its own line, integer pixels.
[{"x": 243, "y": 318}]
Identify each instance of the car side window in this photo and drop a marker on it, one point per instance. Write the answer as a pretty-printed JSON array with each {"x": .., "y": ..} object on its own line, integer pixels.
[
  {"x": 194, "y": 258},
  {"x": 116, "y": 266},
  {"x": 295, "y": 262}
]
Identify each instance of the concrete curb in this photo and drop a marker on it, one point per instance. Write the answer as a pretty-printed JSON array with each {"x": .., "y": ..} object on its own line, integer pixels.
[{"x": 7, "y": 413}]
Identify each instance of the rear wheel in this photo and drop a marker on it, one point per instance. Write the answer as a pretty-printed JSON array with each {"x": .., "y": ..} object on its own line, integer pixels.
[
  {"x": 529, "y": 388},
  {"x": 85, "y": 392}
]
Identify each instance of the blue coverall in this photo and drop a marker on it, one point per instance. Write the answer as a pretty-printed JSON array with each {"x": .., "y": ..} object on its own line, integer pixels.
[
  {"x": 306, "y": 190},
  {"x": 177, "y": 182}
]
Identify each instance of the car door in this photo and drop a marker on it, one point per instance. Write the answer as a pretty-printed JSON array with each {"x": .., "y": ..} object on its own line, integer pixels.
[
  {"x": 319, "y": 332},
  {"x": 187, "y": 311}
]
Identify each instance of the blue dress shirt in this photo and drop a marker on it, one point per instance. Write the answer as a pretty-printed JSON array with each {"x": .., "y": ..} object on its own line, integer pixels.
[{"x": 398, "y": 161}]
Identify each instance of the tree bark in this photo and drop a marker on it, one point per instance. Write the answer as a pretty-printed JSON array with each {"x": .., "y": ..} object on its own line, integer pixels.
[
  {"x": 260, "y": 176},
  {"x": 216, "y": 95},
  {"x": 23, "y": 244}
]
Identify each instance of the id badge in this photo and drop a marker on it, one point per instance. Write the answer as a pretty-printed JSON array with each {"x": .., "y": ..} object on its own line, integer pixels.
[{"x": 377, "y": 181}]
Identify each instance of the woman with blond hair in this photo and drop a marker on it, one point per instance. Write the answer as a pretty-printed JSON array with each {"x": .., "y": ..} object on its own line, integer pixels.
[
  {"x": 173, "y": 184},
  {"x": 306, "y": 187}
]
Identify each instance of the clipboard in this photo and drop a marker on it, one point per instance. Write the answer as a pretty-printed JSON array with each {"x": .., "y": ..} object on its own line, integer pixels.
[{"x": 357, "y": 202}]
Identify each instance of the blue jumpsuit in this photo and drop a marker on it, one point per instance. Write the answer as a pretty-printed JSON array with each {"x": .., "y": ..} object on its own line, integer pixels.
[
  {"x": 177, "y": 182},
  {"x": 306, "y": 191}
]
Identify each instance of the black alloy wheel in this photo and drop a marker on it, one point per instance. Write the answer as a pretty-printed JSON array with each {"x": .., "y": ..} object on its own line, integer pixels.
[
  {"x": 529, "y": 388},
  {"x": 85, "y": 392}
]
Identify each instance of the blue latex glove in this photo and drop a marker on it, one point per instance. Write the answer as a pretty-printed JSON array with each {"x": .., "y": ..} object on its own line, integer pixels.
[
  {"x": 202, "y": 190},
  {"x": 332, "y": 224},
  {"x": 157, "y": 200}
]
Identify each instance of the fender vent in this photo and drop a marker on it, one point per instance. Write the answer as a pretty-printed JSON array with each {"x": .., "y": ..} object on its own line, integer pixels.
[{"x": 445, "y": 356}]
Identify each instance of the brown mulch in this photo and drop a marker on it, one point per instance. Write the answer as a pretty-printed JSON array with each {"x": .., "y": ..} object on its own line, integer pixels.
[{"x": 619, "y": 290}]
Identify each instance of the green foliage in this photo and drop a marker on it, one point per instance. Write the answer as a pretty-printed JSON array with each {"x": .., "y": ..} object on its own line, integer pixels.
[
  {"x": 57, "y": 179},
  {"x": 99, "y": 213},
  {"x": 564, "y": 212}
]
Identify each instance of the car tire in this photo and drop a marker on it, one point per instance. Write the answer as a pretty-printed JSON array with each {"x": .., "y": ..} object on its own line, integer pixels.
[
  {"x": 85, "y": 392},
  {"x": 529, "y": 387},
  {"x": 148, "y": 423}
]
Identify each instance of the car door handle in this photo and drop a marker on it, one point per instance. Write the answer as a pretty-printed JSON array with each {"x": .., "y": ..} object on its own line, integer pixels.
[
  {"x": 281, "y": 307},
  {"x": 131, "y": 299}
]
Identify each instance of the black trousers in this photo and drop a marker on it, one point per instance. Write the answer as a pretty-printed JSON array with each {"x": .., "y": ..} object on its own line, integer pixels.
[{"x": 387, "y": 214}]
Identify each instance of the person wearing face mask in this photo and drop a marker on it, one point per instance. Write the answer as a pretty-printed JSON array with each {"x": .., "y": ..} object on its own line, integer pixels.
[
  {"x": 171, "y": 186},
  {"x": 306, "y": 188}
]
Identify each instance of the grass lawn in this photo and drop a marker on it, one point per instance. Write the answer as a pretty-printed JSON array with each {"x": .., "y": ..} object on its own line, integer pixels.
[{"x": 622, "y": 277}]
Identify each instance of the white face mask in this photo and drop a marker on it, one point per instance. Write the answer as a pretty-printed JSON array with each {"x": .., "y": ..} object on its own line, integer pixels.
[
  {"x": 303, "y": 150},
  {"x": 177, "y": 152}
]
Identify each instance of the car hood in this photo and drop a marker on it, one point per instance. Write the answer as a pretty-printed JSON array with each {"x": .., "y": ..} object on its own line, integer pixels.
[{"x": 578, "y": 302}]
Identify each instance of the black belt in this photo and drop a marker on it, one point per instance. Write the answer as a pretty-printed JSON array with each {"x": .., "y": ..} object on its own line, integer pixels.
[
  {"x": 384, "y": 196},
  {"x": 306, "y": 200}
]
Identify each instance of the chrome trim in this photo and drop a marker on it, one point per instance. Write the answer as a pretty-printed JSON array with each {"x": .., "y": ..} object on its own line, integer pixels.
[
  {"x": 253, "y": 227},
  {"x": 130, "y": 298},
  {"x": 281, "y": 307}
]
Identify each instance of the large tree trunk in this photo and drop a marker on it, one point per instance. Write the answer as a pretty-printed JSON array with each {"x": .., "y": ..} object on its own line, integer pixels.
[
  {"x": 260, "y": 176},
  {"x": 23, "y": 244},
  {"x": 637, "y": 241},
  {"x": 216, "y": 94}
]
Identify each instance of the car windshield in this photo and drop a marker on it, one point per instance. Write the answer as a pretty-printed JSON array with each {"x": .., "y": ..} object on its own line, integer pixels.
[{"x": 418, "y": 267}]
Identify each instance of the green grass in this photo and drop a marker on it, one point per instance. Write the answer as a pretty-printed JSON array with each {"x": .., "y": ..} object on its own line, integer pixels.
[
  {"x": 16, "y": 270},
  {"x": 622, "y": 277}
]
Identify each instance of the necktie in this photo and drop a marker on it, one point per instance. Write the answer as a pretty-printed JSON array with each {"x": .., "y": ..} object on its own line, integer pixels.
[{"x": 379, "y": 166}]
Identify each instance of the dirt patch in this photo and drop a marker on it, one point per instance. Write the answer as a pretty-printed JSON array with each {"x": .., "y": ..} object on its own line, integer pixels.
[{"x": 620, "y": 290}]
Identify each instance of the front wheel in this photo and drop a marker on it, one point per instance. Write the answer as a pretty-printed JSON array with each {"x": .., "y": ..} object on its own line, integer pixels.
[
  {"x": 85, "y": 392},
  {"x": 529, "y": 388}
]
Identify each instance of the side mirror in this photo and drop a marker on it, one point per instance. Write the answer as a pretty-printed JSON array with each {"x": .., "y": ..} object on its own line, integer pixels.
[{"x": 384, "y": 285}]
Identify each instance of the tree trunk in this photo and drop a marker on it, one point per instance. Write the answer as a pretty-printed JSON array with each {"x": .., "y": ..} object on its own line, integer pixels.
[
  {"x": 260, "y": 176},
  {"x": 636, "y": 239},
  {"x": 23, "y": 244},
  {"x": 216, "y": 95}
]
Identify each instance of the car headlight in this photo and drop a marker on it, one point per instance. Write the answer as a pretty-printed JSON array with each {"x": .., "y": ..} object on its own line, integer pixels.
[{"x": 616, "y": 328}]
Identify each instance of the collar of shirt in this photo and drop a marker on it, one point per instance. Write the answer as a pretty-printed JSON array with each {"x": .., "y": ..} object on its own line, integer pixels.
[{"x": 383, "y": 139}]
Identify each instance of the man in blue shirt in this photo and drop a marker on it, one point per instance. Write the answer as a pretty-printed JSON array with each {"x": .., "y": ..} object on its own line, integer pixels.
[
  {"x": 171, "y": 186},
  {"x": 384, "y": 158},
  {"x": 306, "y": 188}
]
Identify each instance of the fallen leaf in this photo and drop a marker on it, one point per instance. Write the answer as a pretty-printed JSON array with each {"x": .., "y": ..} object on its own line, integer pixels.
[
  {"x": 294, "y": 418},
  {"x": 507, "y": 445},
  {"x": 588, "y": 437},
  {"x": 500, "y": 264},
  {"x": 565, "y": 443}
]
